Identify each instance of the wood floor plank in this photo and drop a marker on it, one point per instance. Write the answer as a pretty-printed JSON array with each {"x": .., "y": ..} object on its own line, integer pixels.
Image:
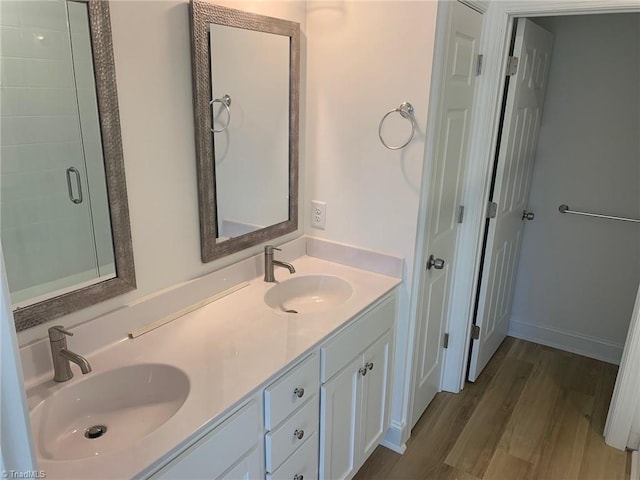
[
  {"x": 474, "y": 449},
  {"x": 534, "y": 413},
  {"x": 602, "y": 462},
  {"x": 525, "y": 351},
  {"x": 603, "y": 395},
  {"x": 506, "y": 467},
  {"x": 562, "y": 453}
]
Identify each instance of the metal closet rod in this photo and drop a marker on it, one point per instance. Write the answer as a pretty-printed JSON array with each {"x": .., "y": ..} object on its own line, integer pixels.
[{"x": 565, "y": 209}]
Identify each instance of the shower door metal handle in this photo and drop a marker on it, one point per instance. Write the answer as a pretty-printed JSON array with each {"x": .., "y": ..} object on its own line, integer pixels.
[{"x": 75, "y": 171}]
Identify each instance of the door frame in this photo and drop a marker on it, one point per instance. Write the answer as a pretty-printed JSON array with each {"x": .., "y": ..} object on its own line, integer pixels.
[{"x": 398, "y": 434}]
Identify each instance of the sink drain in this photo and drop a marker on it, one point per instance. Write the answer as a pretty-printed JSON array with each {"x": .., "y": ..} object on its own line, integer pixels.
[{"x": 95, "y": 432}]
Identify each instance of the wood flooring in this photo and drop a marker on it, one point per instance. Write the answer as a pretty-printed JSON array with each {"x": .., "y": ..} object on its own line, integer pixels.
[{"x": 534, "y": 413}]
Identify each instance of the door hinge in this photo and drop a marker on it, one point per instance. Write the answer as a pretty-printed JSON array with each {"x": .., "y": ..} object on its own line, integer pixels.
[
  {"x": 492, "y": 210},
  {"x": 445, "y": 341},
  {"x": 475, "y": 332},
  {"x": 460, "y": 213},
  {"x": 479, "y": 64},
  {"x": 512, "y": 66}
]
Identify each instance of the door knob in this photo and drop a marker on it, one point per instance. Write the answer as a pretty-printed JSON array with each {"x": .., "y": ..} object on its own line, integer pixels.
[
  {"x": 527, "y": 215},
  {"x": 434, "y": 262}
]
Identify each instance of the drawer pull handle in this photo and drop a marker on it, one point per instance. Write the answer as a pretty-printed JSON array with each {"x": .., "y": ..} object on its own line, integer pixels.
[
  {"x": 362, "y": 371},
  {"x": 369, "y": 365},
  {"x": 299, "y": 392},
  {"x": 298, "y": 476},
  {"x": 298, "y": 434}
]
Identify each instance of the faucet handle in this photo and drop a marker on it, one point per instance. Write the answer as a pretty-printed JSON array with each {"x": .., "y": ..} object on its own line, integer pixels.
[
  {"x": 268, "y": 249},
  {"x": 58, "y": 332}
]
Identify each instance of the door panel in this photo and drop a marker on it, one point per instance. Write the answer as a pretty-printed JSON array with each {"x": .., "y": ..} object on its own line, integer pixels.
[
  {"x": 525, "y": 99},
  {"x": 445, "y": 196}
]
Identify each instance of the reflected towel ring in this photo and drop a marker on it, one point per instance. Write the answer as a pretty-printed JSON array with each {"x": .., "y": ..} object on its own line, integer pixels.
[
  {"x": 226, "y": 102},
  {"x": 406, "y": 111}
]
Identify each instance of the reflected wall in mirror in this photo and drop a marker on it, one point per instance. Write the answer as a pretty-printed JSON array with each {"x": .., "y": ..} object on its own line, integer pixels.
[
  {"x": 64, "y": 218},
  {"x": 246, "y": 82}
]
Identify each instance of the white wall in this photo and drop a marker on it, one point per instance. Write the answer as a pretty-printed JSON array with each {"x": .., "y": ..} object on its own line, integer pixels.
[
  {"x": 365, "y": 58},
  {"x": 578, "y": 276},
  {"x": 151, "y": 42}
]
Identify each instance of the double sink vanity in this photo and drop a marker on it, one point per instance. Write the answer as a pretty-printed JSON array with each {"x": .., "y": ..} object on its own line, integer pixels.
[{"x": 242, "y": 387}]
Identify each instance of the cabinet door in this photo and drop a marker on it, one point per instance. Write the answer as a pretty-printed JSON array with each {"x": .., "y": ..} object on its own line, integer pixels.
[
  {"x": 374, "y": 417},
  {"x": 248, "y": 468},
  {"x": 339, "y": 413}
]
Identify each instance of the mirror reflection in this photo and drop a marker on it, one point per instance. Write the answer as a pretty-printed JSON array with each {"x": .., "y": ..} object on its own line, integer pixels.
[
  {"x": 250, "y": 118},
  {"x": 55, "y": 217},
  {"x": 59, "y": 159},
  {"x": 246, "y": 70}
]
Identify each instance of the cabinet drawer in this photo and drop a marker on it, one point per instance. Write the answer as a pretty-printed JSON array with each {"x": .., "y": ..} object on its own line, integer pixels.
[
  {"x": 282, "y": 442},
  {"x": 280, "y": 398},
  {"x": 338, "y": 352},
  {"x": 303, "y": 463},
  {"x": 217, "y": 451}
]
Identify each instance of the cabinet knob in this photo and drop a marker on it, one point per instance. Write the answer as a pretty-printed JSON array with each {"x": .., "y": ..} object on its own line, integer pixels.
[
  {"x": 299, "y": 392},
  {"x": 298, "y": 476},
  {"x": 299, "y": 433},
  {"x": 362, "y": 371},
  {"x": 369, "y": 365}
]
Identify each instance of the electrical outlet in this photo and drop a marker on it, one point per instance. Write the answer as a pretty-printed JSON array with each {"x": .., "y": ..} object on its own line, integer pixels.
[{"x": 318, "y": 214}]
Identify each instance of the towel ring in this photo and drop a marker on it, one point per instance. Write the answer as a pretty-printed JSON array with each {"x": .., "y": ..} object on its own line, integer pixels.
[
  {"x": 406, "y": 111},
  {"x": 226, "y": 102}
]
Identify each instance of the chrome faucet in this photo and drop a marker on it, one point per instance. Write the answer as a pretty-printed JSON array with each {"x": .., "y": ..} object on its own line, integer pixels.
[
  {"x": 61, "y": 356},
  {"x": 270, "y": 262}
]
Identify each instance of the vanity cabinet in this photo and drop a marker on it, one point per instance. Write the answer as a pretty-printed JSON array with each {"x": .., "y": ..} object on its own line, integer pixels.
[
  {"x": 354, "y": 396},
  {"x": 231, "y": 451},
  {"x": 321, "y": 418}
]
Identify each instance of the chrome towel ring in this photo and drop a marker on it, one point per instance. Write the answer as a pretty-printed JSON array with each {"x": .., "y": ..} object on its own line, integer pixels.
[
  {"x": 226, "y": 102},
  {"x": 406, "y": 111}
]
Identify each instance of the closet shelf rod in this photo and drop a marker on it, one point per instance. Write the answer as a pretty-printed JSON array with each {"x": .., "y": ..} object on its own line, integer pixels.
[{"x": 565, "y": 209}]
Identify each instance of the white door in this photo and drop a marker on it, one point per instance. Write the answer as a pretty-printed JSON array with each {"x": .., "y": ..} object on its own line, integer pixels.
[
  {"x": 523, "y": 109},
  {"x": 445, "y": 196}
]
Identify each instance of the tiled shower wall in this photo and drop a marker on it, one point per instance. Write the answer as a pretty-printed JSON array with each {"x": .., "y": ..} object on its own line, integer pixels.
[{"x": 45, "y": 236}]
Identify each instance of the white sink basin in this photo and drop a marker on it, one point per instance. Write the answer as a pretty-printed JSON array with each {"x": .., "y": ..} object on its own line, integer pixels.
[
  {"x": 130, "y": 402},
  {"x": 308, "y": 294}
]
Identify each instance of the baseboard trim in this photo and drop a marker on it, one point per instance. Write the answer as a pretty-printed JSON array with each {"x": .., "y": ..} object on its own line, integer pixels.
[
  {"x": 393, "y": 439},
  {"x": 571, "y": 342}
]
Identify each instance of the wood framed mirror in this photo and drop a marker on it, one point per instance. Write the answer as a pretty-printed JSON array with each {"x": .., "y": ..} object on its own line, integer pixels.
[
  {"x": 66, "y": 236},
  {"x": 246, "y": 71}
]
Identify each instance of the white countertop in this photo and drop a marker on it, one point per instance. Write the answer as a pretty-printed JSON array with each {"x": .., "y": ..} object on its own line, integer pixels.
[{"x": 229, "y": 349}]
